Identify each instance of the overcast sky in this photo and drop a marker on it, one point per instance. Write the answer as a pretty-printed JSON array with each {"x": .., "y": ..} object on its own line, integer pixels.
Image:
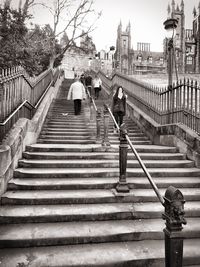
[{"x": 146, "y": 18}]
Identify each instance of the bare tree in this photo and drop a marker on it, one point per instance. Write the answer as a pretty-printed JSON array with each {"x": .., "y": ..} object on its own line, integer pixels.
[{"x": 75, "y": 17}]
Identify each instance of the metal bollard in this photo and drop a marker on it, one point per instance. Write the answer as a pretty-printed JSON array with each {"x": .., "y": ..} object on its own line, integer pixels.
[
  {"x": 98, "y": 122},
  {"x": 174, "y": 216},
  {"x": 105, "y": 141},
  {"x": 122, "y": 185}
]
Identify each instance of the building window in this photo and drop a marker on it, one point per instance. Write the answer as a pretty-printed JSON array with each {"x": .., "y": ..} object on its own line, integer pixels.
[
  {"x": 124, "y": 43},
  {"x": 139, "y": 58},
  {"x": 161, "y": 60},
  {"x": 150, "y": 59},
  {"x": 189, "y": 60}
]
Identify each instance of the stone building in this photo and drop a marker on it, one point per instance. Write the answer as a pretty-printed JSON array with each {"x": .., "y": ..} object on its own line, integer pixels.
[
  {"x": 124, "y": 52},
  {"x": 130, "y": 61},
  {"x": 145, "y": 61},
  {"x": 78, "y": 59},
  {"x": 186, "y": 41}
]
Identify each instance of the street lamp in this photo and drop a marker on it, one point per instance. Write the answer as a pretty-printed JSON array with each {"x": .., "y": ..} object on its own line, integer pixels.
[
  {"x": 112, "y": 49},
  {"x": 170, "y": 27}
]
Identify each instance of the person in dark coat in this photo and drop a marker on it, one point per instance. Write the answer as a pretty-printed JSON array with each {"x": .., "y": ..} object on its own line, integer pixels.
[
  {"x": 119, "y": 106},
  {"x": 88, "y": 83},
  {"x": 82, "y": 78}
]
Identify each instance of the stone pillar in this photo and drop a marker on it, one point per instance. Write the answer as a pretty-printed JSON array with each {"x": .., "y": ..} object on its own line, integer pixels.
[
  {"x": 106, "y": 117},
  {"x": 174, "y": 216},
  {"x": 98, "y": 124},
  {"x": 122, "y": 186}
]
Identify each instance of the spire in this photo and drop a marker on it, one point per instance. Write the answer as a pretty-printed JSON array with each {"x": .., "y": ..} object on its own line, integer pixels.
[
  {"x": 120, "y": 26},
  {"x": 199, "y": 8},
  {"x": 20, "y": 4},
  {"x": 168, "y": 11},
  {"x": 128, "y": 29},
  {"x": 7, "y": 3},
  {"x": 177, "y": 8},
  {"x": 173, "y": 5},
  {"x": 194, "y": 11},
  {"x": 182, "y": 5}
]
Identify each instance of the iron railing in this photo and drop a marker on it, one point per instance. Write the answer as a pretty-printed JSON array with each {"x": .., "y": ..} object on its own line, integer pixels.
[
  {"x": 20, "y": 95},
  {"x": 173, "y": 201},
  {"x": 181, "y": 104}
]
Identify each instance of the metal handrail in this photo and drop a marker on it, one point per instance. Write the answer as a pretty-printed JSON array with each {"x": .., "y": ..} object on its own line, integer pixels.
[
  {"x": 15, "y": 111},
  {"x": 23, "y": 104},
  {"x": 154, "y": 186}
]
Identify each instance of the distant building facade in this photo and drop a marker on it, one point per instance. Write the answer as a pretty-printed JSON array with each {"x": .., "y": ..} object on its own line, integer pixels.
[
  {"x": 124, "y": 52},
  {"x": 186, "y": 41},
  {"x": 142, "y": 60},
  {"x": 77, "y": 60}
]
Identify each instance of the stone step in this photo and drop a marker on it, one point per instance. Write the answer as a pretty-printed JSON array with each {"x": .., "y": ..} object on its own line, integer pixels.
[
  {"x": 92, "y": 163},
  {"x": 96, "y": 147},
  {"x": 103, "y": 172},
  {"x": 90, "y": 126},
  {"x": 88, "y": 137},
  {"x": 79, "y": 125},
  {"x": 36, "y": 197},
  {"x": 69, "y": 233},
  {"x": 68, "y": 131},
  {"x": 79, "y": 141},
  {"x": 100, "y": 155},
  {"x": 90, "y": 212},
  {"x": 69, "y": 134},
  {"x": 99, "y": 183},
  {"x": 149, "y": 253},
  {"x": 65, "y": 141},
  {"x": 66, "y": 134}
]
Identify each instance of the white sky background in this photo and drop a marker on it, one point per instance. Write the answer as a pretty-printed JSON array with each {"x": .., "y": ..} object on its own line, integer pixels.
[{"x": 146, "y": 18}]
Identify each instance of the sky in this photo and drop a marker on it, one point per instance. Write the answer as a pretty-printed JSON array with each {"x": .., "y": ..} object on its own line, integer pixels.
[{"x": 146, "y": 18}]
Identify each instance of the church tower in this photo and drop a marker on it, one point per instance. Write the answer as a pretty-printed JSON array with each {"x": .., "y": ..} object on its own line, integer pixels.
[
  {"x": 179, "y": 40},
  {"x": 123, "y": 49},
  {"x": 196, "y": 34}
]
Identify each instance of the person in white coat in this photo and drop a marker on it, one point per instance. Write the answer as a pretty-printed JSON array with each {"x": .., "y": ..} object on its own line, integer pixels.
[
  {"x": 97, "y": 86},
  {"x": 77, "y": 93}
]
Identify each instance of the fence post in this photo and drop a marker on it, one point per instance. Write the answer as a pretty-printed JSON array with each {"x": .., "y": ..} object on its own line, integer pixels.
[
  {"x": 174, "y": 216},
  {"x": 92, "y": 111},
  {"x": 122, "y": 185},
  {"x": 98, "y": 122},
  {"x": 106, "y": 116}
]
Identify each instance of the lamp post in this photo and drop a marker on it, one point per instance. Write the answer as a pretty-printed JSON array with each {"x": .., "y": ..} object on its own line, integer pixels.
[
  {"x": 112, "y": 49},
  {"x": 170, "y": 27}
]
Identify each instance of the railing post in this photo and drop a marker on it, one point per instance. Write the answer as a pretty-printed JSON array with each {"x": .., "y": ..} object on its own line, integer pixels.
[
  {"x": 122, "y": 185},
  {"x": 174, "y": 216},
  {"x": 92, "y": 111},
  {"x": 105, "y": 141},
  {"x": 98, "y": 122}
]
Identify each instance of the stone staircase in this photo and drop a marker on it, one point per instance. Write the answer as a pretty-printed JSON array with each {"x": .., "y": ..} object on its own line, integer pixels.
[{"x": 61, "y": 208}]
